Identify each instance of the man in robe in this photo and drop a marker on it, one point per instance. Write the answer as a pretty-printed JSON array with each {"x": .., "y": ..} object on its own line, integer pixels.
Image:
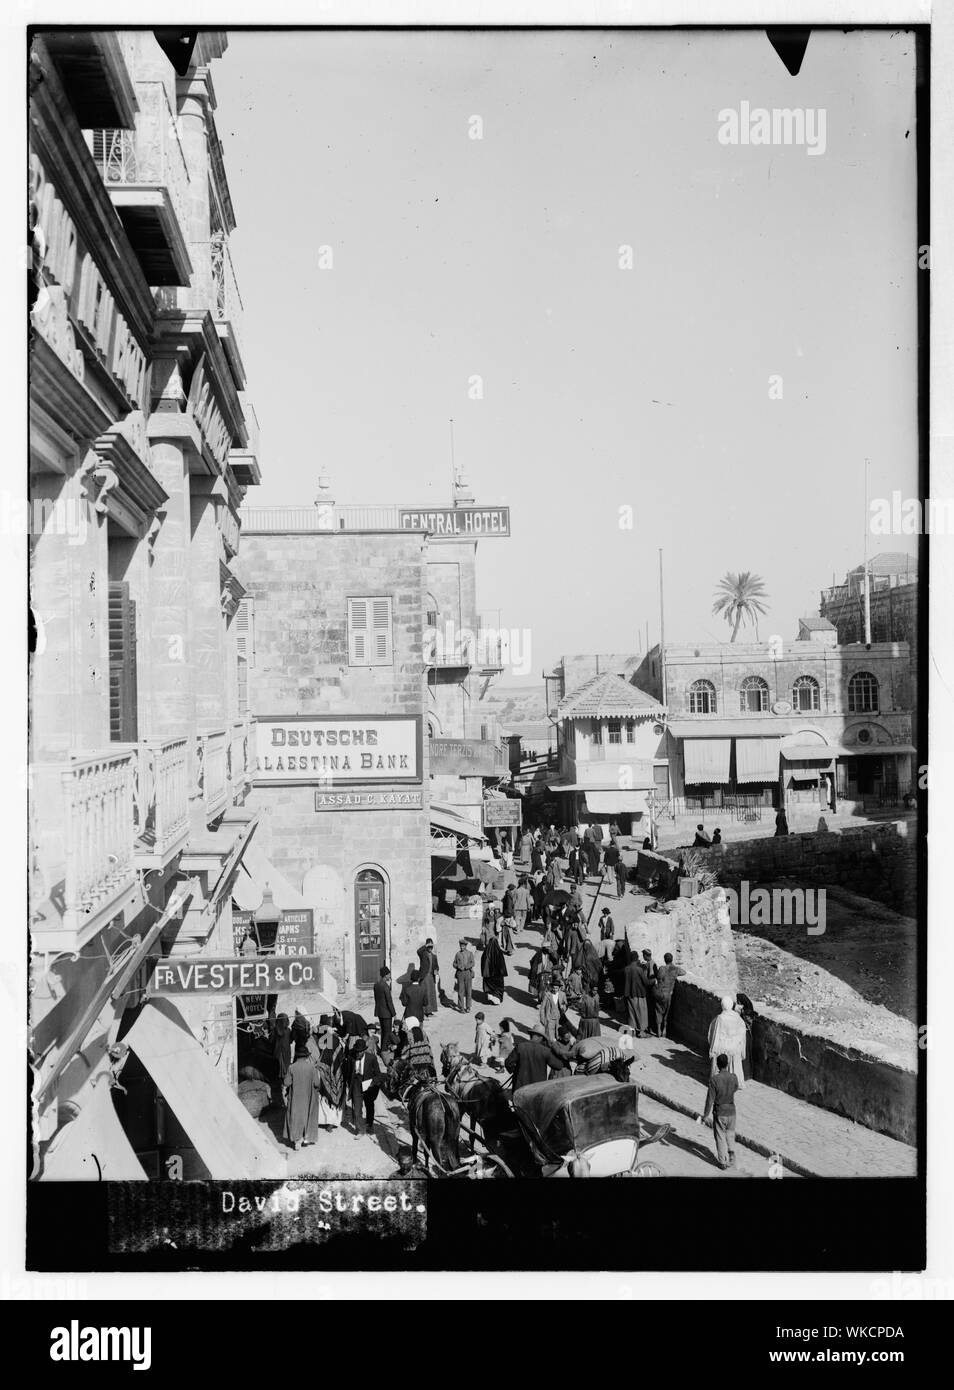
[
  {"x": 530, "y": 1059},
  {"x": 634, "y": 997},
  {"x": 727, "y": 1035}
]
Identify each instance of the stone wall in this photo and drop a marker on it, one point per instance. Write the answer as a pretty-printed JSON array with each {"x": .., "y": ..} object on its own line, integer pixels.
[
  {"x": 699, "y": 940},
  {"x": 878, "y": 861},
  {"x": 857, "y": 1084}
]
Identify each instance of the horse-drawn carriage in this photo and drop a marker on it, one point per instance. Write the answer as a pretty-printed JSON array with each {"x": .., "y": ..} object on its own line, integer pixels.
[{"x": 571, "y": 1126}]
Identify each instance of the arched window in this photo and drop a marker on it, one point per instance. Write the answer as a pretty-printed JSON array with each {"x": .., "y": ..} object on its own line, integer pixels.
[
  {"x": 753, "y": 695},
  {"x": 805, "y": 695},
  {"x": 862, "y": 693},
  {"x": 702, "y": 698}
]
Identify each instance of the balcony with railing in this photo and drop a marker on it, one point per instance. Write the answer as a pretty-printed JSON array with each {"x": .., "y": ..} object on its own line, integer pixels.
[
  {"x": 162, "y": 800},
  {"x": 84, "y": 835},
  {"x": 240, "y": 756},
  {"x": 148, "y": 180},
  {"x": 215, "y": 778},
  {"x": 227, "y": 308}
]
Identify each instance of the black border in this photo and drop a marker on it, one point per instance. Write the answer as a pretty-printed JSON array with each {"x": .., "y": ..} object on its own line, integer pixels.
[{"x": 689, "y": 1225}]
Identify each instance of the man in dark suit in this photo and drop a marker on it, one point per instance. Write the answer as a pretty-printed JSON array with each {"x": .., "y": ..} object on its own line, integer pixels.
[
  {"x": 414, "y": 997},
  {"x": 384, "y": 1009},
  {"x": 529, "y": 1060},
  {"x": 635, "y": 981}
]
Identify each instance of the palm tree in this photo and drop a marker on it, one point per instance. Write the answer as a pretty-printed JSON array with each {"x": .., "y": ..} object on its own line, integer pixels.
[{"x": 739, "y": 599}]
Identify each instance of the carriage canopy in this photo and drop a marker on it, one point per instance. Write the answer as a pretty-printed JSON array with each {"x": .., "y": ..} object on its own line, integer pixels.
[{"x": 576, "y": 1113}]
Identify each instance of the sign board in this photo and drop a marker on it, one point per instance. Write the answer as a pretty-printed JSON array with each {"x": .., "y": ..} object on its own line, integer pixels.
[
  {"x": 355, "y": 748},
  {"x": 457, "y": 523},
  {"x": 509, "y": 812},
  {"x": 369, "y": 801},
  {"x": 477, "y": 757},
  {"x": 237, "y": 975},
  {"x": 241, "y": 922},
  {"x": 296, "y": 932}
]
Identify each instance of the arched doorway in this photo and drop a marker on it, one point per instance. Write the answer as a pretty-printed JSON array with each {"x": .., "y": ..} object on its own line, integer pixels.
[{"x": 370, "y": 926}]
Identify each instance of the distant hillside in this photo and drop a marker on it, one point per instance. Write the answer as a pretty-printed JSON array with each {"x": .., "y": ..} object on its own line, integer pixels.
[{"x": 517, "y": 705}]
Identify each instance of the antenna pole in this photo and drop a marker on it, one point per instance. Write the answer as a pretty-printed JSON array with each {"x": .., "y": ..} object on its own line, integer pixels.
[
  {"x": 867, "y": 580},
  {"x": 453, "y": 465},
  {"x": 662, "y": 629}
]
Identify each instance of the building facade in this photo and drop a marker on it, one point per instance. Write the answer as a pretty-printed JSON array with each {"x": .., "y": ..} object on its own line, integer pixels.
[
  {"x": 612, "y": 754},
  {"x": 773, "y": 723},
  {"x": 142, "y": 445},
  {"x": 371, "y": 758}
]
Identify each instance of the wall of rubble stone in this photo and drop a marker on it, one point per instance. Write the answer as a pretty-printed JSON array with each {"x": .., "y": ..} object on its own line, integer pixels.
[
  {"x": 855, "y": 1083},
  {"x": 878, "y": 861}
]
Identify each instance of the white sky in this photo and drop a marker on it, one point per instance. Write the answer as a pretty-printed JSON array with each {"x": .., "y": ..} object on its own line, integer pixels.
[{"x": 499, "y": 257}]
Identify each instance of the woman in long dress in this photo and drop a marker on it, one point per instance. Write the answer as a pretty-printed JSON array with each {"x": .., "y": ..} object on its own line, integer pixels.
[
  {"x": 493, "y": 969},
  {"x": 301, "y": 1099},
  {"x": 506, "y": 934},
  {"x": 727, "y": 1034},
  {"x": 281, "y": 1048},
  {"x": 330, "y": 1067}
]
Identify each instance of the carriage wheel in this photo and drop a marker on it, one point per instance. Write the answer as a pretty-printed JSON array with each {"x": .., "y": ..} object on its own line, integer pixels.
[
  {"x": 648, "y": 1170},
  {"x": 503, "y": 1170}
]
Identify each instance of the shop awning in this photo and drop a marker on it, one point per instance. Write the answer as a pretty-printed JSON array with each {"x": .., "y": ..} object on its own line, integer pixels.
[
  {"x": 255, "y": 873},
  {"x": 628, "y": 803},
  {"x": 94, "y": 1146},
  {"x": 741, "y": 726},
  {"x": 453, "y": 823},
  {"x": 756, "y": 759},
  {"x": 812, "y": 753},
  {"x": 707, "y": 760},
  {"x": 878, "y": 750},
  {"x": 230, "y": 1143}
]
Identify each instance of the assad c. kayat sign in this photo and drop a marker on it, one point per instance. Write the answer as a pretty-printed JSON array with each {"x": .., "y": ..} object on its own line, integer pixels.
[
  {"x": 234, "y": 975},
  {"x": 456, "y": 523},
  {"x": 331, "y": 752}
]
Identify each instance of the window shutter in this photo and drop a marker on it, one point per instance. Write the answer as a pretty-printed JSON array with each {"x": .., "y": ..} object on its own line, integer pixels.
[
  {"x": 382, "y": 652},
  {"x": 245, "y": 631},
  {"x": 358, "y": 632},
  {"x": 123, "y": 722}
]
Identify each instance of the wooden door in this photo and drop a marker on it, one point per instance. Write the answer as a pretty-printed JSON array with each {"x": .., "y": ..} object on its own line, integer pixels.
[{"x": 370, "y": 927}]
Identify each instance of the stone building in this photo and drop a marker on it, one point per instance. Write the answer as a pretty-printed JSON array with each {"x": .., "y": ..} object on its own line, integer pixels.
[
  {"x": 612, "y": 754},
  {"x": 893, "y": 605},
  {"x": 364, "y": 650},
  {"x": 142, "y": 444},
  {"x": 770, "y": 723}
]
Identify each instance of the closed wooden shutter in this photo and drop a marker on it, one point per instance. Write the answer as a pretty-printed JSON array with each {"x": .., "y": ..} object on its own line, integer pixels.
[
  {"x": 359, "y": 631},
  {"x": 369, "y": 632},
  {"x": 245, "y": 648},
  {"x": 123, "y": 721},
  {"x": 381, "y": 653}
]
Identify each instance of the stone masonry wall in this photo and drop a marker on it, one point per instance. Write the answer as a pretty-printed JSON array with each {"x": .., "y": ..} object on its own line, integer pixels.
[
  {"x": 807, "y": 1065},
  {"x": 878, "y": 861}
]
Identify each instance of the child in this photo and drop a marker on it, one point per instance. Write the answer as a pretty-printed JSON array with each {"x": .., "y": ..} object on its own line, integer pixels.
[{"x": 483, "y": 1040}]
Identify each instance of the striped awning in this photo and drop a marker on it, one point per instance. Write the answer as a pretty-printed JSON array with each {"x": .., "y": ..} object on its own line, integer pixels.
[
  {"x": 756, "y": 759},
  {"x": 707, "y": 760}
]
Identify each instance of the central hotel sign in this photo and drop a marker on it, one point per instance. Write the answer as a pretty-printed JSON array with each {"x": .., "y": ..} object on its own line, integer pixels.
[
  {"x": 352, "y": 749},
  {"x": 457, "y": 523}
]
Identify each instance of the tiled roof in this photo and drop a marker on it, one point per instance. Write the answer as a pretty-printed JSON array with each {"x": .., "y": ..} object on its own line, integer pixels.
[{"x": 607, "y": 696}]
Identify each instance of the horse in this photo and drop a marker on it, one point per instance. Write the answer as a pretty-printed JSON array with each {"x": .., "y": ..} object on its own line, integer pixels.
[
  {"x": 481, "y": 1098},
  {"x": 433, "y": 1117}
]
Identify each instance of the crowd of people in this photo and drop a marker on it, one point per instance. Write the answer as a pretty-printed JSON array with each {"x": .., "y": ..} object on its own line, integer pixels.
[{"x": 331, "y": 1074}]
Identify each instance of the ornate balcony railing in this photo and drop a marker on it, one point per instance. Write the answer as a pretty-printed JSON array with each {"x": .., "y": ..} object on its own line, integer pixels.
[
  {"x": 215, "y": 782},
  {"x": 162, "y": 800},
  {"x": 149, "y": 156},
  {"x": 239, "y": 751},
  {"x": 99, "y": 833}
]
